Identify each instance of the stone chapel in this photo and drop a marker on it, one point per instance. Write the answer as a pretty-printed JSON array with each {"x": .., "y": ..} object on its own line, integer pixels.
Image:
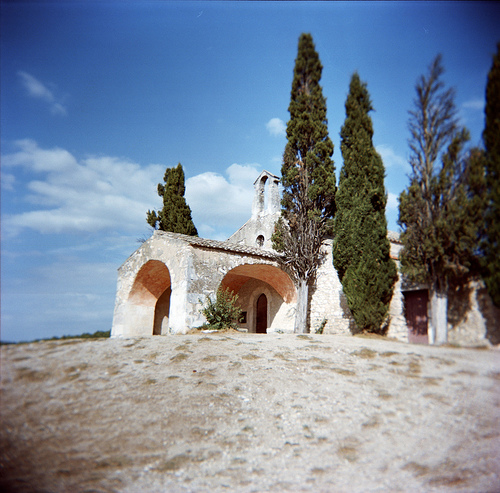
[{"x": 161, "y": 284}]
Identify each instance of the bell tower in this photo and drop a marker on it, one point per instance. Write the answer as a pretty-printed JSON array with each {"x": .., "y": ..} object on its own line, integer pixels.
[{"x": 266, "y": 210}]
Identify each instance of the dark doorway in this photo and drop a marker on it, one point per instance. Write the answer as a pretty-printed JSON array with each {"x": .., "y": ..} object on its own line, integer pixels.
[
  {"x": 261, "y": 322},
  {"x": 416, "y": 315},
  {"x": 162, "y": 310}
]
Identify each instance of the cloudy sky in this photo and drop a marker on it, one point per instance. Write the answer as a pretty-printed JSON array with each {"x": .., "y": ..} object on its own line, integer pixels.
[{"x": 98, "y": 98}]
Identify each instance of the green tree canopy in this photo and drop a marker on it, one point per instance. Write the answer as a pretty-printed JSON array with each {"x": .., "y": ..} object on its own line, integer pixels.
[
  {"x": 436, "y": 212},
  {"x": 175, "y": 216},
  {"x": 308, "y": 177},
  {"x": 491, "y": 138},
  {"x": 361, "y": 249}
]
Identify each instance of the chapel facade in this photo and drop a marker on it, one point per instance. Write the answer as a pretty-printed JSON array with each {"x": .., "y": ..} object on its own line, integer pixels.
[{"x": 164, "y": 283}]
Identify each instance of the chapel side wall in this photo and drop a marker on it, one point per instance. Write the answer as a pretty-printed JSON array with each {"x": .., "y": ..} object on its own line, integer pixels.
[
  {"x": 327, "y": 300},
  {"x": 398, "y": 329},
  {"x": 473, "y": 319}
]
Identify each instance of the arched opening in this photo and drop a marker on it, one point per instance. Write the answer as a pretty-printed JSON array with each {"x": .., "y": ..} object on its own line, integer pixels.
[
  {"x": 261, "y": 315},
  {"x": 260, "y": 241},
  {"x": 149, "y": 299},
  {"x": 162, "y": 310},
  {"x": 265, "y": 293},
  {"x": 275, "y": 277}
]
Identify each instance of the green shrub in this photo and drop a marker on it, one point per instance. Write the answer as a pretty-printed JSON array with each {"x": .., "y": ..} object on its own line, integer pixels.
[{"x": 222, "y": 313}]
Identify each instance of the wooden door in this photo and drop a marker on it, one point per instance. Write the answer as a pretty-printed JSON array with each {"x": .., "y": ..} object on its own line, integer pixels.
[
  {"x": 416, "y": 315},
  {"x": 261, "y": 322}
]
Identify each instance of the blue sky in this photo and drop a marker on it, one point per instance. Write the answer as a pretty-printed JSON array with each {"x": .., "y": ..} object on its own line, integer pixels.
[{"x": 98, "y": 98}]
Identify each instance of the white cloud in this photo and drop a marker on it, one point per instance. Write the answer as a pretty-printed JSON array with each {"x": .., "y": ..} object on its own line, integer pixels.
[
  {"x": 474, "y": 104},
  {"x": 276, "y": 127},
  {"x": 93, "y": 194},
  {"x": 38, "y": 90},
  {"x": 220, "y": 206},
  {"x": 392, "y": 201},
  {"x": 243, "y": 175},
  {"x": 104, "y": 193},
  {"x": 391, "y": 159}
]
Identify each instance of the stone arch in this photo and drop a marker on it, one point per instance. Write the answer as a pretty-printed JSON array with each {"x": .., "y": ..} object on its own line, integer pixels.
[
  {"x": 274, "y": 276},
  {"x": 252, "y": 281},
  {"x": 149, "y": 298}
]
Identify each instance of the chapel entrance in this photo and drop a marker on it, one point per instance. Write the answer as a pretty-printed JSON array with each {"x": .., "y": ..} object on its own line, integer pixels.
[
  {"x": 261, "y": 319},
  {"x": 416, "y": 316}
]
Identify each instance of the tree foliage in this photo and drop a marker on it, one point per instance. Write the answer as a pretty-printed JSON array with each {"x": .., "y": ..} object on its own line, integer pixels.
[
  {"x": 491, "y": 138},
  {"x": 308, "y": 177},
  {"x": 441, "y": 251},
  {"x": 361, "y": 249},
  {"x": 175, "y": 216},
  {"x": 223, "y": 312},
  {"x": 436, "y": 212}
]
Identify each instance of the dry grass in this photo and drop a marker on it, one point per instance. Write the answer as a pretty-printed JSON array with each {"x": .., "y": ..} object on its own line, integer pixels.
[{"x": 364, "y": 353}]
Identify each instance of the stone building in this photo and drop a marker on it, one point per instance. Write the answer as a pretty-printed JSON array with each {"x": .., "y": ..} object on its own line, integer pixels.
[{"x": 163, "y": 284}]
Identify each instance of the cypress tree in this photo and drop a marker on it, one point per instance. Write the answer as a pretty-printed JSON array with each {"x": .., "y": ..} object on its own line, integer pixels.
[
  {"x": 361, "y": 249},
  {"x": 491, "y": 138},
  {"x": 436, "y": 212},
  {"x": 308, "y": 178},
  {"x": 175, "y": 216}
]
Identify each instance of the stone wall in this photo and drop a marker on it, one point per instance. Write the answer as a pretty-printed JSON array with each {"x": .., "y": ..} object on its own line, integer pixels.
[
  {"x": 472, "y": 317},
  {"x": 327, "y": 300}
]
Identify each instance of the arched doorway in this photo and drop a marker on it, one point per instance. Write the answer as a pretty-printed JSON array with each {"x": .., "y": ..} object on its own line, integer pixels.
[{"x": 261, "y": 318}]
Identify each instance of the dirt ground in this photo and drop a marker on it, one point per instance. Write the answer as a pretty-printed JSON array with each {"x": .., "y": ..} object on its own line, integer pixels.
[{"x": 247, "y": 412}]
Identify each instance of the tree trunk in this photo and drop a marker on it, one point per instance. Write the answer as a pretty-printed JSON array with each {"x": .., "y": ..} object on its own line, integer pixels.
[
  {"x": 302, "y": 302},
  {"x": 439, "y": 318}
]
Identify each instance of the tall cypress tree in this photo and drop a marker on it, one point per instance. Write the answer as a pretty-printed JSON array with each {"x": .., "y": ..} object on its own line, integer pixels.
[
  {"x": 175, "y": 216},
  {"x": 308, "y": 178},
  {"x": 361, "y": 249},
  {"x": 440, "y": 228},
  {"x": 491, "y": 138}
]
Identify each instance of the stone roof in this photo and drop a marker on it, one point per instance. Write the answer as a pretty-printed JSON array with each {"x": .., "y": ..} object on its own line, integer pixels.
[
  {"x": 220, "y": 245},
  {"x": 228, "y": 246}
]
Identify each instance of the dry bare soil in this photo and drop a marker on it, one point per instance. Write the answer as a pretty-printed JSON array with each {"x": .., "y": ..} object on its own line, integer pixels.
[{"x": 244, "y": 412}]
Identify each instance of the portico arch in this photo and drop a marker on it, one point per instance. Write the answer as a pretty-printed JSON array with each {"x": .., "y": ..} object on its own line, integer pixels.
[
  {"x": 252, "y": 281},
  {"x": 275, "y": 277},
  {"x": 149, "y": 298}
]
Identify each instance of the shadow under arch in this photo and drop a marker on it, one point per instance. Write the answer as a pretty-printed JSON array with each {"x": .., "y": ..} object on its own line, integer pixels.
[
  {"x": 269, "y": 274},
  {"x": 269, "y": 284},
  {"x": 150, "y": 294}
]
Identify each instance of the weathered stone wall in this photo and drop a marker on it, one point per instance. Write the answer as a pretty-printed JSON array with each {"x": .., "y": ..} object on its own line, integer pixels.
[
  {"x": 398, "y": 329},
  {"x": 327, "y": 301},
  {"x": 472, "y": 317}
]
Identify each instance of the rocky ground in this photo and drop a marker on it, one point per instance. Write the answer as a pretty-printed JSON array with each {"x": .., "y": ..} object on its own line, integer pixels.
[{"x": 246, "y": 412}]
